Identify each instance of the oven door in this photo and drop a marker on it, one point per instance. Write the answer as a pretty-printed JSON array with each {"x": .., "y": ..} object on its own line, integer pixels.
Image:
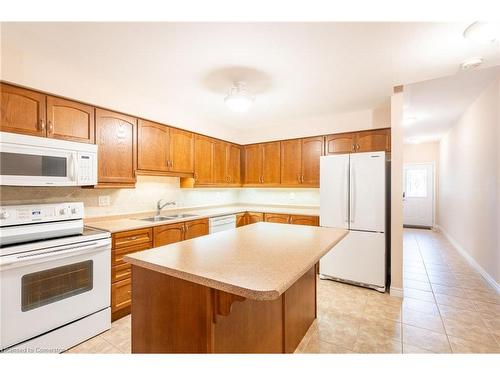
[
  {"x": 46, "y": 289},
  {"x": 22, "y": 165}
]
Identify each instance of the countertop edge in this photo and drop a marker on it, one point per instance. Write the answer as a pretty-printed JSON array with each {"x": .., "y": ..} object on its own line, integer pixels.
[{"x": 258, "y": 295}]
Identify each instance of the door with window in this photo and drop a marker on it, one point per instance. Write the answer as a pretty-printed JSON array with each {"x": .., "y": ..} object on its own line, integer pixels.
[{"x": 418, "y": 195}]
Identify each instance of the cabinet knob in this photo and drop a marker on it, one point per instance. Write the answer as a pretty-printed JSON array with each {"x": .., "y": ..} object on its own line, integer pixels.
[
  {"x": 51, "y": 127},
  {"x": 195, "y": 176},
  {"x": 42, "y": 124}
]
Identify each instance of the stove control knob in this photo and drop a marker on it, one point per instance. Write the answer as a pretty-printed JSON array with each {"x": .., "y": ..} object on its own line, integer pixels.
[
  {"x": 63, "y": 211},
  {"x": 74, "y": 210},
  {"x": 4, "y": 215}
]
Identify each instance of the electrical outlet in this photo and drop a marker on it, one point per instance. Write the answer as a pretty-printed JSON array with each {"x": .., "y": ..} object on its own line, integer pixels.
[{"x": 104, "y": 200}]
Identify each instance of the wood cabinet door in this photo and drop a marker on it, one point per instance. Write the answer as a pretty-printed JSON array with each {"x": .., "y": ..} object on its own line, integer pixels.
[
  {"x": 291, "y": 162},
  {"x": 254, "y": 217},
  {"x": 68, "y": 120},
  {"x": 304, "y": 220},
  {"x": 22, "y": 111},
  {"x": 253, "y": 164},
  {"x": 203, "y": 160},
  {"x": 373, "y": 140},
  {"x": 195, "y": 228},
  {"x": 219, "y": 164},
  {"x": 181, "y": 151},
  {"x": 277, "y": 218},
  {"x": 340, "y": 143},
  {"x": 241, "y": 219},
  {"x": 167, "y": 234},
  {"x": 233, "y": 164},
  {"x": 271, "y": 163},
  {"x": 312, "y": 149},
  {"x": 152, "y": 146},
  {"x": 116, "y": 137},
  {"x": 121, "y": 296}
]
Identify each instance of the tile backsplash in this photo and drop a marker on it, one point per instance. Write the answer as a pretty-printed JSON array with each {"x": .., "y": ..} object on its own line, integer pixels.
[{"x": 147, "y": 192}]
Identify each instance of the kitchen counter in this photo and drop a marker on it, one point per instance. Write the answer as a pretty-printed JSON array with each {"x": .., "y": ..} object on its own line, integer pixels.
[
  {"x": 122, "y": 223},
  {"x": 248, "y": 290},
  {"x": 258, "y": 261}
]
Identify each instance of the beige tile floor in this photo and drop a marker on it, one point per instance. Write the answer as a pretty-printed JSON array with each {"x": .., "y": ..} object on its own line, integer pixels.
[{"x": 448, "y": 308}]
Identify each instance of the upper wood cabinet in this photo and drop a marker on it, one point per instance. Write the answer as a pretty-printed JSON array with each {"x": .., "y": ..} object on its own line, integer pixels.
[
  {"x": 216, "y": 162},
  {"x": 163, "y": 149},
  {"x": 262, "y": 164},
  {"x": 340, "y": 143},
  {"x": 300, "y": 161},
  {"x": 373, "y": 140},
  {"x": 181, "y": 151},
  {"x": 69, "y": 120},
  {"x": 117, "y": 153},
  {"x": 363, "y": 141},
  {"x": 22, "y": 111},
  {"x": 152, "y": 146}
]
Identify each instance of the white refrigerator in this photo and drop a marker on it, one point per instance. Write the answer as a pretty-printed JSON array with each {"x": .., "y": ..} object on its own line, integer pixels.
[{"x": 353, "y": 196}]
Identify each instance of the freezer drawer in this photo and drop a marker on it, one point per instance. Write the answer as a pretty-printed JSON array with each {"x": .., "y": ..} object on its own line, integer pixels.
[{"x": 358, "y": 258}]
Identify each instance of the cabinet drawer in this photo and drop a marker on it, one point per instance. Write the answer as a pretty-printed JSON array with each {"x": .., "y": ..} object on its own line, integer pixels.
[
  {"x": 118, "y": 254},
  {"x": 132, "y": 237},
  {"x": 121, "y": 272},
  {"x": 304, "y": 220},
  {"x": 121, "y": 294}
]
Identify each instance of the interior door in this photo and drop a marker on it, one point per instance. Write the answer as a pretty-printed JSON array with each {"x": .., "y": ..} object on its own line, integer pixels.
[
  {"x": 334, "y": 191},
  {"x": 367, "y": 192},
  {"x": 418, "y": 196}
]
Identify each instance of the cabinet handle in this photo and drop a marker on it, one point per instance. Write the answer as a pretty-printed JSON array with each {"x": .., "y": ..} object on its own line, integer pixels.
[
  {"x": 195, "y": 176},
  {"x": 353, "y": 147},
  {"x": 298, "y": 177},
  {"x": 171, "y": 163},
  {"x": 357, "y": 146},
  {"x": 132, "y": 238},
  {"x": 42, "y": 124},
  {"x": 302, "y": 179},
  {"x": 262, "y": 179},
  {"x": 51, "y": 127}
]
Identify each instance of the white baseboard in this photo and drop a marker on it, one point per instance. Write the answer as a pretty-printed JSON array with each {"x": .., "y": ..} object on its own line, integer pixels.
[
  {"x": 396, "y": 292},
  {"x": 470, "y": 259}
]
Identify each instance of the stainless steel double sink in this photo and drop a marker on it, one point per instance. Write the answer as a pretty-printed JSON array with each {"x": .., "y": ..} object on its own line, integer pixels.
[{"x": 167, "y": 218}]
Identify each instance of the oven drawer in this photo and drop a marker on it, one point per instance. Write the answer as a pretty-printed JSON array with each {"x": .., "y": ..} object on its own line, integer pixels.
[
  {"x": 121, "y": 294},
  {"x": 121, "y": 272},
  {"x": 118, "y": 254},
  {"x": 132, "y": 237}
]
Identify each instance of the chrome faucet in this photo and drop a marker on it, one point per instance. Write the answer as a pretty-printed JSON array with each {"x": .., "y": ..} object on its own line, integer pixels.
[{"x": 159, "y": 206}]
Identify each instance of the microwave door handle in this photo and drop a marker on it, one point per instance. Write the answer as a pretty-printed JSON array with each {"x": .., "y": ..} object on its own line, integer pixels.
[{"x": 72, "y": 167}]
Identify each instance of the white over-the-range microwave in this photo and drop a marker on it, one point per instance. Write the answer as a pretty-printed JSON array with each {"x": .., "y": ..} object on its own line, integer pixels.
[{"x": 37, "y": 161}]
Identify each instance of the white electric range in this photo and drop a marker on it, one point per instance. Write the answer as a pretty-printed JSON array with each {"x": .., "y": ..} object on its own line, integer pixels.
[{"x": 54, "y": 278}]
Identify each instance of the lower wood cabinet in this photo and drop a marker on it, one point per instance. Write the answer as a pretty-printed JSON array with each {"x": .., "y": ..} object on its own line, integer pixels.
[
  {"x": 276, "y": 218},
  {"x": 241, "y": 219},
  {"x": 292, "y": 219},
  {"x": 195, "y": 228},
  {"x": 171, "y": 233}
]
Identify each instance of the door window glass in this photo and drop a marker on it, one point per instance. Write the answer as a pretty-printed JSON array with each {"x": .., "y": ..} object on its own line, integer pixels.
[
  {"x": 52, "y": 285},
  {"x": 416, "y": 183}
]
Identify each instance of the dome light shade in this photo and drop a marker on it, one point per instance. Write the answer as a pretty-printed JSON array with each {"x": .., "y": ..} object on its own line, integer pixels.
[
  {"x": 238, "y": 99},
  {"x": 483, "y": 32}
]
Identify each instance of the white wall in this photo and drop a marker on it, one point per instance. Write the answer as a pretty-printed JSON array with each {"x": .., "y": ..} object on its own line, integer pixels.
[
  {"x": 425, "y": 153},
  {"x": 469, "y": 206},
  {"x": 397, "y": 103}
]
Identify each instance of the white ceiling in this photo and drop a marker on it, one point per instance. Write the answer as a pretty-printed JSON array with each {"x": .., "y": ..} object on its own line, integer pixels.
[
  {"x": 437, "y": 104},
  {"x": 179, "y": 73}
]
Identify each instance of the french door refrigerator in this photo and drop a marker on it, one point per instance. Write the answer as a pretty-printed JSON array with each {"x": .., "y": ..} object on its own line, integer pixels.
[{"x": 353, "y": 196}]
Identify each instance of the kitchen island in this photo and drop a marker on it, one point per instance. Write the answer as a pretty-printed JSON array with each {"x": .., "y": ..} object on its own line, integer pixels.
[{"x": 248, "y": 290}]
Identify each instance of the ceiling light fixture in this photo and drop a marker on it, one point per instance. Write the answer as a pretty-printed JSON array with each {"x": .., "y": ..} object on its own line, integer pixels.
[
  {"x": 471, "y": 63},
  {"x": 483, "y": 32},
  {"x": 238, "y": 99}
]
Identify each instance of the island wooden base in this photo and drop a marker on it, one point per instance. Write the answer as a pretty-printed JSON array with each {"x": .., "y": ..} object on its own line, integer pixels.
[{"x": 170, "y": 315}]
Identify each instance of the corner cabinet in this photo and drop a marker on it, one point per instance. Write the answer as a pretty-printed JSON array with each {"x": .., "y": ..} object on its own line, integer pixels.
[
  {"x": 116, "y": 138},
  {"x": 262, "y": 164}
]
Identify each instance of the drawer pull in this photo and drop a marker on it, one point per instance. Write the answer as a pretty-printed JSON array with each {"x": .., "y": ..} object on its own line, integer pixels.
[{"x": 132, "y": 238}]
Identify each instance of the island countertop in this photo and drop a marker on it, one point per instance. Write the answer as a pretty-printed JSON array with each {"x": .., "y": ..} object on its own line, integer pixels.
[{"x": 258, "y": 261}]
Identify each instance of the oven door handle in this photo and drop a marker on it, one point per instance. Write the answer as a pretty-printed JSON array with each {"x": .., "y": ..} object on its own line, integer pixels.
[{"x": 55, "y": 253}]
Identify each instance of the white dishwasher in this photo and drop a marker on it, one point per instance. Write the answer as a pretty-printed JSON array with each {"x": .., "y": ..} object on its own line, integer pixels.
[{"x": 220, "y": 223}]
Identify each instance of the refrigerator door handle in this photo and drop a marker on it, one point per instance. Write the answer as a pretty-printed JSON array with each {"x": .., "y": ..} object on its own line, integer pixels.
[
  {"x": 346, "y": 191},
  {"x": 351, "y": 193}
]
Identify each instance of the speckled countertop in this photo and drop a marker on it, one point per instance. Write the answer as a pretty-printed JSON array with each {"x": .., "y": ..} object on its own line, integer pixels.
[
  {"x": 132, "y": 221},
  {"x": 258, "y": 261}
]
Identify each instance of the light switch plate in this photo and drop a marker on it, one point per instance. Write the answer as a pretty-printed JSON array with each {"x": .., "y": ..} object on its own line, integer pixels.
[{"x": 104, "y": 200}]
